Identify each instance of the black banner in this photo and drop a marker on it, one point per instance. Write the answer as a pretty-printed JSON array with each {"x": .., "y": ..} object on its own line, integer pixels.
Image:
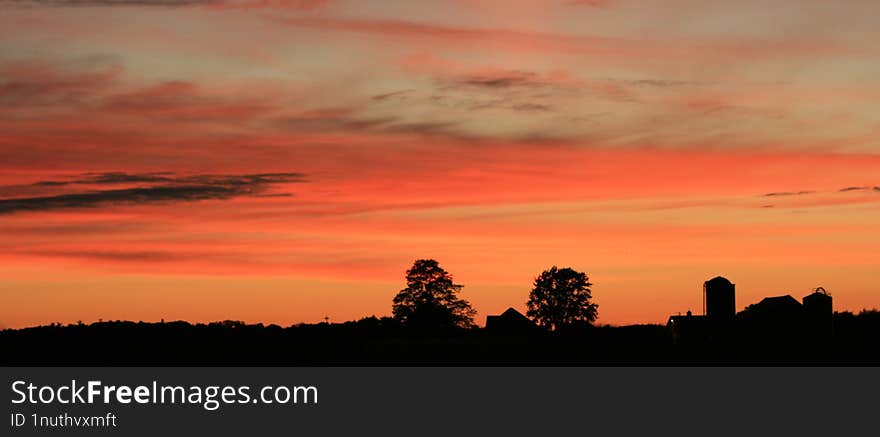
[{"x": 438, "y": 401}]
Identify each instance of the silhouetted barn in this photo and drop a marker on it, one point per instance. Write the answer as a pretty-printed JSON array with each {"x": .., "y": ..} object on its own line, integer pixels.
[
  {"x": 778, "y": 309},
  {"x": 779, "y": 305},
  {"x": 510, "y": 321},
  {"x": 776, "y": 319}
]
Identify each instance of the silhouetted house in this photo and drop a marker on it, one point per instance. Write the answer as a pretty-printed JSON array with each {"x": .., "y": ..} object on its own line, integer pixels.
[
  {"x": 818, "y": 314},
  {"x": 510, "y": 321},
  {"x": 689, "y": 329}
]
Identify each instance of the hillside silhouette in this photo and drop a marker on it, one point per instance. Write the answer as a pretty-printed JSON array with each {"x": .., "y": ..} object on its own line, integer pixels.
[
  {"x": 383, "y": 341},
  {"x": 432, "y": 325}
]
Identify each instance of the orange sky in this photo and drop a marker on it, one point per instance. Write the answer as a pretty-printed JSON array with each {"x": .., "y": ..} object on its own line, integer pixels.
[{"x": 282, "y": 161}]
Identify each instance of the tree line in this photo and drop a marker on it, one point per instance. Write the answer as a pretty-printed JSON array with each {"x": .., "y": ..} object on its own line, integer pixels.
[{"x": 560, "y": 297}]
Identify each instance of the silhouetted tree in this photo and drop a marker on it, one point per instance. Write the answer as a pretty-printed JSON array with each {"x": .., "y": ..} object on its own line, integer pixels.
[
  {"x": 561, "y": 297},
  {"x": 430, "y": 299}
]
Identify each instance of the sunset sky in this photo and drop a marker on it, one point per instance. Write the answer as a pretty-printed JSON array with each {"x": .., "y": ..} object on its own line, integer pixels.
[{"x": 280, "y": 161}]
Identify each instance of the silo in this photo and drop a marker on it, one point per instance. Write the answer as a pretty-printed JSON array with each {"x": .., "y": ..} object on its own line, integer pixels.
[
  {"x": 719, "y": 299},
  {"x": 818, "y": 313}
]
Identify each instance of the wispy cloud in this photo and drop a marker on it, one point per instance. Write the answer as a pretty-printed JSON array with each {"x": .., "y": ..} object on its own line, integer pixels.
[
  {"x": 801, "y": 193},
  {"x": 69, "y": 82},
  {"x": 72, "y": 3},
  {"x": 556, "y": 84},
  {"x": 221, "y": 4},
  {"x": 591, "y": 3},
  {"x": 508, "y": 79},
  {"x": 843, "y": 190},
  {"x": 349, "y": 120},
  {"x": 300, "y": 5},
  {"x": 660, "y": 83},
  {"x": 858, "y": 188},
  {"x": 180, "y": 100},
  {"x": 531, "y": 107},
  {"x": 788, "y": 193},
  {"x": 391, "y": 95},
  {"x": 528, "y": 41},
  {"x": 491, "y": 77},
  {"x": 134, "y": 256},
  {"x": 150, "y": 188}
]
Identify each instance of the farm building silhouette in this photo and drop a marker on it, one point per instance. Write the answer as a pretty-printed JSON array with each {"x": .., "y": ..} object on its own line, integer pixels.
[
  {"x": 775, "y": 319},
  {"x": 510, "y": 322}
]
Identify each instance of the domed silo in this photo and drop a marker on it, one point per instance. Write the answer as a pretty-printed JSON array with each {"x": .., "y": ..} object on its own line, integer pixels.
[
  {"x": 719, "y": 299},
  {"x": 819, "y": 313}
]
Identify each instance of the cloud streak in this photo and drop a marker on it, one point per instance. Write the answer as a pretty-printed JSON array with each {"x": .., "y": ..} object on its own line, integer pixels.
[
  {"x": 590, "y": 3},
  {"x": 154, "y": 188},
  {"x": 39, "y": 83},
  {"x": 788, "y": 193},
  {"x": 805, "y": 192},
  {"x": 73, "y": 3},
  {"x": 348, "y": 120},
  {"x": 414, "y": 33},
  {"x": 391, "y": 95},
  {"x": 843, "y": 190},
  {"x": 660, "y": 83},
  {"x": 505, "y": 80},
  {"x": 299, "y": 5}
]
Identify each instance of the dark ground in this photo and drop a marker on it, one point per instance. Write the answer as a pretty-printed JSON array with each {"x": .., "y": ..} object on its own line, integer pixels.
[{"x": 373, "y": 341}]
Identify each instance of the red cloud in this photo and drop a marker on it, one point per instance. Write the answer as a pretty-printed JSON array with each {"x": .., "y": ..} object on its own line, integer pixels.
[
  {"x": 183, "y": 100},
  {"x": 36, "y": 83},
  {"x": 526, "y": 41},
  {"x": 302, "y": 5}
]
